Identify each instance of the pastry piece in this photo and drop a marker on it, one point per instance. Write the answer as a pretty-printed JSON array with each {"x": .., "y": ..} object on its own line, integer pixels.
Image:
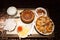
[{"x": 44, "y": 25}]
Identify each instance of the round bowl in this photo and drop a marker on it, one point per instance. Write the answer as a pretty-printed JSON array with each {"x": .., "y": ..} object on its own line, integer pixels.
[
  {"x": 11, "y": 10},
  {"x": 27, "y": 16},
  {"x": 44, "y": 28},
  {"x": 42, "y": 11}
]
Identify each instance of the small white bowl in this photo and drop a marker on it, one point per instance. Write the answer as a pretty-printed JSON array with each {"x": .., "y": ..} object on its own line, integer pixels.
[
  {"x": 10, "y": 25},
  {"x": 41, "y": 9},
  {"x": 11, "y": 10}
]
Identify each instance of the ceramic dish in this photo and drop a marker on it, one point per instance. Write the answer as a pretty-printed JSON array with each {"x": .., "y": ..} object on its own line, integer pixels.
[
  {"x": 44, "y": 25},
  {"x": 27, "y": 16},
  {"x": 10, "y": 24},
  {"x": 41, "y": 11},
  {"x": 11, "y": 10}
]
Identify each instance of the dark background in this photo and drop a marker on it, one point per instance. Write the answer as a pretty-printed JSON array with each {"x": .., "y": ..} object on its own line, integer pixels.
[{"x": 53, "y": 7}]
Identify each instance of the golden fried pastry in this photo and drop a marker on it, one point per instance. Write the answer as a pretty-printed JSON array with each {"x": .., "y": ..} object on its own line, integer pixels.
[{"x": 44, "y": 24}]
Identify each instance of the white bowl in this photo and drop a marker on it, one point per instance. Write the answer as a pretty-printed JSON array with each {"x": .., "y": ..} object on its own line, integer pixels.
[
  {"x": 11, "y": 10},
  {"x": 41, "y": 9}
]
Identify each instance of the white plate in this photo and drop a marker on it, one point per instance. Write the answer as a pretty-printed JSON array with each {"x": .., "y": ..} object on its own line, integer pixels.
[{"x": 10, "y": 24}]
